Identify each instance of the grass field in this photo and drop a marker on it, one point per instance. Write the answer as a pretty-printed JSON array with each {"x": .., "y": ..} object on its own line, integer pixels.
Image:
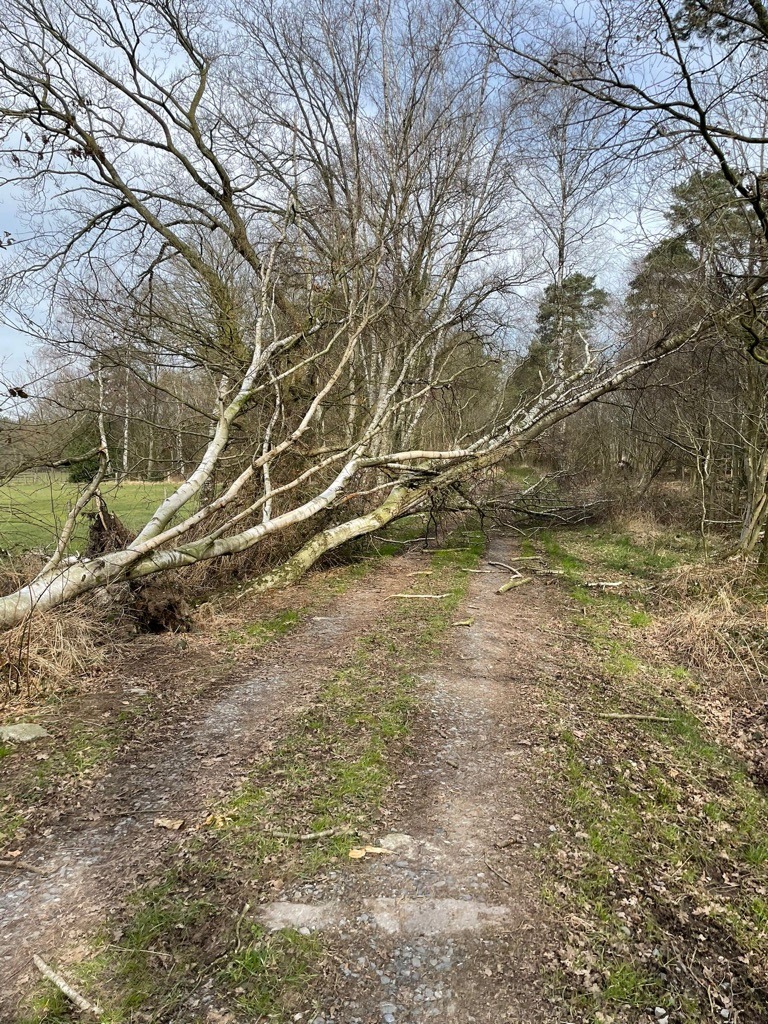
[{"x": 31, "y": 513}]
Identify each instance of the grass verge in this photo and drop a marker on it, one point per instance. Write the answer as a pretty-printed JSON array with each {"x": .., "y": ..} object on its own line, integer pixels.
[{"x": 661, "y": 871}]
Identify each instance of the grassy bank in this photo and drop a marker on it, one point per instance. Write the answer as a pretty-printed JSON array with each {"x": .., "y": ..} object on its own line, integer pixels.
[
  {"x": 661, "y": 869},
  {"x": 31, "y": 514}
]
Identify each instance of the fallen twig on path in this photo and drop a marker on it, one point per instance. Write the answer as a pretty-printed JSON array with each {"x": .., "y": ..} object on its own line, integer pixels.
[
  {"x": 310, "y": 835},
  {"x": 497, "y": 873},
  {"x": 420, "y": 572},
  {"x": 63, "y": 986},
  {"x": 503, "y": 565},
  {"x": 22, "y": 865},
  {"x": 464, "y": 622},
  {"x": 561, "y": 634},
  {"x": 433, "y": 597},
  {"x": 513, "y": 583},
  {"x": 238, "y": 925},
  {"x": 147, "y": 952}
]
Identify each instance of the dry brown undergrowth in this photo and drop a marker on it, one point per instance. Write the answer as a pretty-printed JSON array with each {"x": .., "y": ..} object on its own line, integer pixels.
[
  {"x": 47, "y": 652},
  {"x": 721, "y": 619}
]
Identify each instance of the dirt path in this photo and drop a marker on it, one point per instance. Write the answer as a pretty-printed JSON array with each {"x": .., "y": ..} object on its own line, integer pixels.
[
  {"x": 110, "y": 843},
  {"x": 449, "y": 926}
]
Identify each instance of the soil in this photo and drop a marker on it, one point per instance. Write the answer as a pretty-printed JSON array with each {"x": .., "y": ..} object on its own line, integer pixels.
[{"x": 449, "y": 925}]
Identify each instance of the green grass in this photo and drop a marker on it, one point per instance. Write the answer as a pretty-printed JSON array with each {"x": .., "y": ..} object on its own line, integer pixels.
[
  {"x": 31, "y": 514},
  {"x": 332, "y": 770},
  {"x": 665, "y": 857},
  {"x": 267, "y": 966},
  {"x": 259, "y": 633},
  {"x": 571, "y": 565}
]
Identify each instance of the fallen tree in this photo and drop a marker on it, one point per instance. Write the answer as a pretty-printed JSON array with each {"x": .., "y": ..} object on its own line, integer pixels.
[{"x": 301, "y": 230}]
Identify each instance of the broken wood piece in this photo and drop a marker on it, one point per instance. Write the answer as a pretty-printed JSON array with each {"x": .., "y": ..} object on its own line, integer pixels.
[
  {"x": 503, "y": 565},
  {"x": 513, "y": 583},
  {"x": 464, "y": 622},
  {"x": 497, "y": 873},
  {"x": 420, "y": 572},
  {"x": 146, "y": 952},
  {"x": 621, "y": 583},
  {"x": 63, "y": 986},
  {"x": 489, "y": 571},
  {"x": 639, "y": 718},
  {"x": 432, "y": 597}
]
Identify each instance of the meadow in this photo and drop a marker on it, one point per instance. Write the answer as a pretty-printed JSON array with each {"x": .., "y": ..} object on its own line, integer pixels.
[{"x": 32, "y": 511}]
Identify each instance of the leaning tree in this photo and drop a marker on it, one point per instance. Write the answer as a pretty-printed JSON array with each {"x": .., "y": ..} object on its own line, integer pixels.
[{"x": 304, "y": 223}]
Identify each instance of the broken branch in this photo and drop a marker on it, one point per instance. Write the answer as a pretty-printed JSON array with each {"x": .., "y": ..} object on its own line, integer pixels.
[
  {"x": 513, "y": 583},
  {"x": 22, "y": 865},
  {"x": 640, "y": 718},
  {"x": 310, "y": 835},
  {"x": 63, "y": 986}
]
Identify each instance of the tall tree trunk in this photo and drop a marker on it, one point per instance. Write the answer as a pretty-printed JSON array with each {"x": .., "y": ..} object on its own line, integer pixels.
[
  {"x": 102, "y": 427},
  {"x": 125, "y": 427}
]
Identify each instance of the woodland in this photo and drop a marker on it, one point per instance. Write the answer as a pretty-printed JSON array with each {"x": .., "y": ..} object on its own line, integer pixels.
[
  {"x": 311, "y": 290},
  {"x": 327, "y": 270}
]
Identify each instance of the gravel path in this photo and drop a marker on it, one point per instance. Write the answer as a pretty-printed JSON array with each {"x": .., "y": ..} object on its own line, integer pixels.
[
  {"x": 449, "y": 926},
  {"x": 109, "y": 843}
]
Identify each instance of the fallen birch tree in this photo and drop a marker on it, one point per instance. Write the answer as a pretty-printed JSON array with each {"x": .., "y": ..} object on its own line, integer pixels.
[{"x": 310, "y": 218}]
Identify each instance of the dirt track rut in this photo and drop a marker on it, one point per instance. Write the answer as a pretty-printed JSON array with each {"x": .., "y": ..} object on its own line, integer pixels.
[
  {"x": 449, "y": 925},
  {"x": 91, "y": 861}
]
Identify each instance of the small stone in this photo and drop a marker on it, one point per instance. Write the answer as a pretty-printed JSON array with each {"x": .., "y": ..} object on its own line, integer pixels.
[
  {"x": 22, "y": 732},
  {"x": 725, "y": 1013},
  {"x": 659, "y": 1012}
]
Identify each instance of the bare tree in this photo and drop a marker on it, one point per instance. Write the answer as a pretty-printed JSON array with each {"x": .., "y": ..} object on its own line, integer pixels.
[{"x": 312, "y": 212}]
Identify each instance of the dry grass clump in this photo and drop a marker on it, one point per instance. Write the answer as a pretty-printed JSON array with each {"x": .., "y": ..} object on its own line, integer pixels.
[
  {"x": 642, "y": 528},
  {"x": 717, "y": 615},
  {"x": 48, "y": 651}
]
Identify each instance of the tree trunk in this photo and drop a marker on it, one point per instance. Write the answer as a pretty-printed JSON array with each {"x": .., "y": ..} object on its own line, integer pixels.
[
  {"x": 395, "y": 505},
  {"x": 102, "y": 428}
]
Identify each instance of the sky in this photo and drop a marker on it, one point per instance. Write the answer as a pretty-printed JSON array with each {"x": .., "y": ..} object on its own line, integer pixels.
[{"x": 15, "y": 348}]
